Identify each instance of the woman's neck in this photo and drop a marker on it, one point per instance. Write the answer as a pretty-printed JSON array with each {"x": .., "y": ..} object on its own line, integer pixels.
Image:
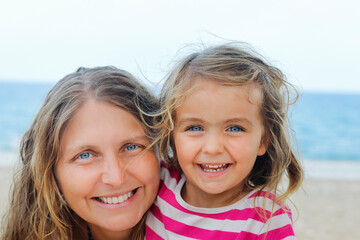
[{"x": 98, "y": 233}]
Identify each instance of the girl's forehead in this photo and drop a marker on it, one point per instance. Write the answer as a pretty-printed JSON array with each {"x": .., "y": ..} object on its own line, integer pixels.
[{"x": 251, "y": 91}]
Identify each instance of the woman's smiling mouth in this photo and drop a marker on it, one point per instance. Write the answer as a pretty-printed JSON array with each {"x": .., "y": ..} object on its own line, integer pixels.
[{"x": 116, "y": 200}]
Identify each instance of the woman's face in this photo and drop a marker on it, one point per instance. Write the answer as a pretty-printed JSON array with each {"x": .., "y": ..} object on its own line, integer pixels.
[{"x": 102, "y": 171}]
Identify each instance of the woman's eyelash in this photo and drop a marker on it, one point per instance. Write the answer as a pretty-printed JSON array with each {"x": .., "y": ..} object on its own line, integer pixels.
[
  {"x": 194, "y": 128},
  {"x": 131, "y": 147},
  {"x": 84, "y": 155}
]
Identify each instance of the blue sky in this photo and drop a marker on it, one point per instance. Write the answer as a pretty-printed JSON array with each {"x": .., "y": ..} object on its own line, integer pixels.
[{"x": 316, "y": 43}]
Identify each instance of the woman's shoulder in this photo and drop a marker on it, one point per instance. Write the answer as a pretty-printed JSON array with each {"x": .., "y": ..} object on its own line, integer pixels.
[{"x": 168, "y": 172}]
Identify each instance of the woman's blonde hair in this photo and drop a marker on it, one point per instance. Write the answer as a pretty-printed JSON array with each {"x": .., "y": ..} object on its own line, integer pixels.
[
  {"x": 37, "y": 208},
  {"x": 235, "y": 65}
]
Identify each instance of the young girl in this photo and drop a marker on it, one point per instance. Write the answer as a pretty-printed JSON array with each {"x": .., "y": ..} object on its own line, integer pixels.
[
  {"x": 225, "y": 139},
  {"x": 84, "y": 172}
]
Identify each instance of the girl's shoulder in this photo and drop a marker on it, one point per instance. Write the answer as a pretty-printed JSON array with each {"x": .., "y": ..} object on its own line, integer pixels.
[
  {"x": 263, "y": 195},
  {"x": 265, "y": 204}
]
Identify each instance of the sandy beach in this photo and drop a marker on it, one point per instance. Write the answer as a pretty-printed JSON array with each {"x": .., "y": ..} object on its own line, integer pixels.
[
  {"x": 327, "y": 209},
  {"x": 327, "y": 206},
  {"x": 6, "y": 175}
]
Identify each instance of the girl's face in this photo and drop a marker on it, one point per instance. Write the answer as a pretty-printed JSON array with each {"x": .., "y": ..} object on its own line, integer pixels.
[
  {"x": 218, "y": 135},
  {"x": 103, "y": 173}
]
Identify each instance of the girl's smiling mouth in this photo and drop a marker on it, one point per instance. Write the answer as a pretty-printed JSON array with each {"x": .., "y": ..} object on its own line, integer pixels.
[
  {"x": 210, "y": 168},
  {"x": 116, "y": 200}
]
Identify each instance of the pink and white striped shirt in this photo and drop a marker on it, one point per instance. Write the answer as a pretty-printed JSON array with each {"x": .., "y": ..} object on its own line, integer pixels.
[{"x": 171, "y": 217}]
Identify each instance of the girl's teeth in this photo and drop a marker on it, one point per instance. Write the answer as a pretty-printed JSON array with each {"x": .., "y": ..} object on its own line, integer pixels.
[
  {"x": 213, "y": 168},
  {"x": 115, "y": 200}
]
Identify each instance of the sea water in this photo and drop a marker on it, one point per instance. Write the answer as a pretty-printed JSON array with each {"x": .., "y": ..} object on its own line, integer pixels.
[
  {"x": 327, "y": 125},
  {"x": 19, "y": 103}
]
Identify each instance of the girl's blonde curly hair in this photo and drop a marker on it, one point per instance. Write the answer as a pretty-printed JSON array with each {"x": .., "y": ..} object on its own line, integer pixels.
[{"x": 234, "y": 65}]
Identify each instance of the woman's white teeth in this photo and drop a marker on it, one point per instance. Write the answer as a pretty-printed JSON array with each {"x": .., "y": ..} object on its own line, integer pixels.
[{"x": 115, "y": 200}]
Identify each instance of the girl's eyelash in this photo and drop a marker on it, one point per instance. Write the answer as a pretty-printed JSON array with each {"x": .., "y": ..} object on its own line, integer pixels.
[
  {"x": 194, "y": 128},
  {"x": 235, "y": 129}
]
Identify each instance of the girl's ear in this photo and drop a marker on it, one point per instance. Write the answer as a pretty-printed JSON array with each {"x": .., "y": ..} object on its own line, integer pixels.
[{"x": 264, "y": 144}]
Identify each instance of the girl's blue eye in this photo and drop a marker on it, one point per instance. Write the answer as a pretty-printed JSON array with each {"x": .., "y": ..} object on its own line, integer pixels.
[
  {"x": 234, "y": 129},
  {"x": 84, "y": 155},
  {"x": 131, "y": 147},
  {"x": 195, "y": 128}
]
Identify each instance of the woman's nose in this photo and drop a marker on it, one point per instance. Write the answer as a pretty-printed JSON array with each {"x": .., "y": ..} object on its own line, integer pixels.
[
  {"x": 213, "y": 144},
  {"x": 113, "y": 172}
]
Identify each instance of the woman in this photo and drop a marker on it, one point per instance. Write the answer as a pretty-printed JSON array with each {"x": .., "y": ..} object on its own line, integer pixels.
[{"x": 88, "y": 170}]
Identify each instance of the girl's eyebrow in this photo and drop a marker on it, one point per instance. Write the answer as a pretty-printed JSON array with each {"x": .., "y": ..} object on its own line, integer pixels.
[
  {"x": 190, "y": 119},
  {"x": 231, "y": 120},
  {"x": 239, "y": 119}
]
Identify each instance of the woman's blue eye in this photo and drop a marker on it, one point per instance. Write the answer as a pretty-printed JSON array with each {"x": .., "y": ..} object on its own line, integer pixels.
[
  {"x": 131, "y": 147},
  {"x": 84, "y": 155},
  {"x": 195, "y": 128},
  {"x": 234, "y": 129}
]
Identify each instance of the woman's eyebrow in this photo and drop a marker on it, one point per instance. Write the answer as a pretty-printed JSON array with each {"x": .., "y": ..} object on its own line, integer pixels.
[
  {"x": 75, "y": 148},
  {"x": 136, "y": 138}
]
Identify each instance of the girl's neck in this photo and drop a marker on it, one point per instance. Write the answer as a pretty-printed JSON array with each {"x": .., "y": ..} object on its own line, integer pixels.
[
  {"x": 98, "y": 233},
  {"x": 198, "y": 198}
]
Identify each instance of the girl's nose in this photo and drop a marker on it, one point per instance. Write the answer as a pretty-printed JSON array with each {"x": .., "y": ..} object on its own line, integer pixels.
[
  {"x": 113, "y": 172},
  {"x": 213, "y": 144}
]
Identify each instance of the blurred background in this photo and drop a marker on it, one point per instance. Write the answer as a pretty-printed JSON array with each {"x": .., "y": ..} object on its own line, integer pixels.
[{"x": 316, "y": 44}]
